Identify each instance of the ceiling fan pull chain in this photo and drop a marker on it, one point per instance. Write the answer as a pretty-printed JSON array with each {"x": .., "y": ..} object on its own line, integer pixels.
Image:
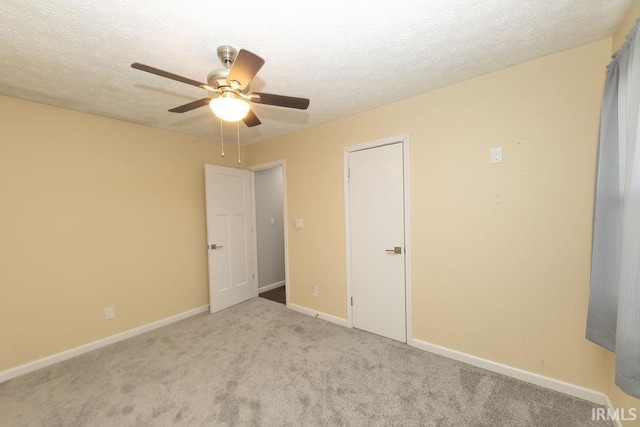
[
  {"x": 238, "y": 133},
  {"x": 221, "y": 138}
]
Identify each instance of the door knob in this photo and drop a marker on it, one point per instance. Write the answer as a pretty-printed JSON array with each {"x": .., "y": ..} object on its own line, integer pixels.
[
  {"x": 395, "y": 250},
  {"x": 214, "y": 246}
]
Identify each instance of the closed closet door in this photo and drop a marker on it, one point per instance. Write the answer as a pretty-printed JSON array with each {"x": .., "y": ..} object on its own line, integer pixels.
[{"x": 376, "y": 206}]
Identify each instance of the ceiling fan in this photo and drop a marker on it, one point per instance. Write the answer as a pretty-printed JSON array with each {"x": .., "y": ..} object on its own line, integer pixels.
[{"x": 229, "y": 88}]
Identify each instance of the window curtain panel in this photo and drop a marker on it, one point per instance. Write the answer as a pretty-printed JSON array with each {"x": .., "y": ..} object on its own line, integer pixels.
[{"x": 613, "y": 319}]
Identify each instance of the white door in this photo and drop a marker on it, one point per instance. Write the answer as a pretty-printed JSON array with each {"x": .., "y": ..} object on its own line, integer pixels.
[
  {"x": 376, "y": 206},
  {"x": 228, "y": 236}
]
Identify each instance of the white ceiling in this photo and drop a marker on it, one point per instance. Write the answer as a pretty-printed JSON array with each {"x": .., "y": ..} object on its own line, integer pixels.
[{"x": 345, "y": 56}]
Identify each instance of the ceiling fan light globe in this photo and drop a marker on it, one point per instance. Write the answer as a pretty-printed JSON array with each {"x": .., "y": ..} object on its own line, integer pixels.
[{"x": 229, "y": 109}]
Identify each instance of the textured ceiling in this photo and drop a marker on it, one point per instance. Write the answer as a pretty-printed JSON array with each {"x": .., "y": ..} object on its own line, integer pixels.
[{"x": 346, "y": 56}]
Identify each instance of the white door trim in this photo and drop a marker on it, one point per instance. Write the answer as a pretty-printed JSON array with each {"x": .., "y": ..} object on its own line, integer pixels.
[
  {"x": 404, "y": 140},
  {"x": 253, "y": 170}
]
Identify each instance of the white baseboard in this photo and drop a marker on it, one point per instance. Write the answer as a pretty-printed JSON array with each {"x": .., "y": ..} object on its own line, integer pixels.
[
  {"x": 328, "y": 317},
  {"x": 530, "y": 377},
  {"x": 270, "y": 287},
  {"x": 77, "y": 351},
  {"x": 609, "y": 405}
]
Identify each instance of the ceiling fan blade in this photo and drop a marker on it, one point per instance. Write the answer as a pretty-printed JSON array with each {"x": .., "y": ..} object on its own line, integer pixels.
[
  {"x": 244, "y": 68},
  {"x": 167, "y": 74},
  {"x": 191, "y": 106},
  {"x": 281, "y": 101},
  {"x": 251, "y": 119}
]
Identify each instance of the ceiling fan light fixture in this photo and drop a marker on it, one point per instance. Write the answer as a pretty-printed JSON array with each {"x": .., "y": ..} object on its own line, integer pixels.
[
  {"x": 229, "y": 108},
  {"x": 229, "y": 88}
]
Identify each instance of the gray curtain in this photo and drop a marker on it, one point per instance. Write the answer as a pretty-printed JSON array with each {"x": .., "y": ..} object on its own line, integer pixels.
[{"x": 614, "y": 303}]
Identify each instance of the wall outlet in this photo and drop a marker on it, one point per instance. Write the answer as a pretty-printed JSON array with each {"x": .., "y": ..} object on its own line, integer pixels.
[
  {"x": 109, "y": 313},
  {"x": 314, "y": 290}
]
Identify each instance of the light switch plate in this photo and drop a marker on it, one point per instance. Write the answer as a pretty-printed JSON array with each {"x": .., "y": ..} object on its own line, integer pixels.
[
  {"x": 299, "y": 223},
  {"x": 496, "y": 155}
]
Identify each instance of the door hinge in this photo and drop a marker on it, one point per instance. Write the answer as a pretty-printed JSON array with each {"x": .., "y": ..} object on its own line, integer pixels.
[
  {"x": 351, "y": 300},
  {"x": 348, "y": 172}
]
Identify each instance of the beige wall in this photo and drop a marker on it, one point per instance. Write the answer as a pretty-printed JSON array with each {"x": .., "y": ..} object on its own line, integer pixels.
[
  {"x": 501, "y": 253},
  {"x": 95, "y": 212},
  {"x": 617, "y": 396}
]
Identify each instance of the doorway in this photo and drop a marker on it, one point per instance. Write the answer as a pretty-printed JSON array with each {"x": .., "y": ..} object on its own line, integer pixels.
[
  {"x": 378, "y": 237},
  {"x": 270, "y": 231}
]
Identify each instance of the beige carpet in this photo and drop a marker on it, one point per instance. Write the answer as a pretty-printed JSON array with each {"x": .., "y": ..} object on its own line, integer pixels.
[{"x": 260, "y": 364}]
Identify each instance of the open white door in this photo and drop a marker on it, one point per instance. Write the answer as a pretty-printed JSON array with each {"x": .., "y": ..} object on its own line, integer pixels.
[
  {"x": 377, "y": 235},
  {"x": 229, "y": 239}
]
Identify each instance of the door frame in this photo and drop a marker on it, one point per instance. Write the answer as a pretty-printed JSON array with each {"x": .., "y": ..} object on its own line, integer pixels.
[
  {"x": 253, "y": 170},
  {"x": 399, "y": 139}
]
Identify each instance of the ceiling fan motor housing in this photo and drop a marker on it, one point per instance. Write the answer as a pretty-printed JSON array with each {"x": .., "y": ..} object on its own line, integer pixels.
[{"x": 218, "y": 78}]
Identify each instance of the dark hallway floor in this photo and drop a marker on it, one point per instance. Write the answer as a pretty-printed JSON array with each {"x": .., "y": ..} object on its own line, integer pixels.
[{"x": 277, "y": 295}]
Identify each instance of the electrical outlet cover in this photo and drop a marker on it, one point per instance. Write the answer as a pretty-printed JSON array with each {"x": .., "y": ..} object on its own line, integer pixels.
[{"x": 496, "y": 155}]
